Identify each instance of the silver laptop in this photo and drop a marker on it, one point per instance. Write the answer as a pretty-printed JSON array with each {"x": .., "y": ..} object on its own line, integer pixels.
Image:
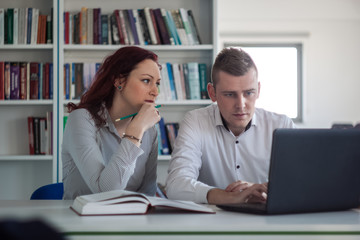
[{"x": 311, "y": 170}]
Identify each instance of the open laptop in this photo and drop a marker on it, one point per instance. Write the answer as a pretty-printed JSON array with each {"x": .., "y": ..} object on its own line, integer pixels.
[{"x": 311, "y": 170}]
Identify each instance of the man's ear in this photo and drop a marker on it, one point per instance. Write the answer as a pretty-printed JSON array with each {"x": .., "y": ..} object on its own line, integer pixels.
[
  {"x": 259, "y": 86},
  {"x": 211, "y": 92}
]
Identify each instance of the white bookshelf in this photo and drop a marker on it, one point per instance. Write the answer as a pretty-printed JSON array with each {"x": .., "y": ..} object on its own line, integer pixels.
[
  {"x": 14, "y": 150},
  {"x": 21, "y": 173}
]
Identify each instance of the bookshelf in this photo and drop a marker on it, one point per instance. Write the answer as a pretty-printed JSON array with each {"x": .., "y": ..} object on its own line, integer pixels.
[{"x": 21, "y": 173}]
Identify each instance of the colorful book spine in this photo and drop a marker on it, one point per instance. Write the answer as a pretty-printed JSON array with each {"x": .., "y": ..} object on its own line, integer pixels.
[
  {"x": 194, "y": 80},
  {"x": 164, "y": 139},
  {"x": 203, "y": 81},
  {"x": 14, "y": 80},
  {"x": 2, "y": 80}
]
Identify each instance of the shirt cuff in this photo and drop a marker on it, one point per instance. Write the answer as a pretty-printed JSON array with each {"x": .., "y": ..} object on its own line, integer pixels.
[
  {"x": 130, "y": 150},
  {"x": 201, "y": 193}
]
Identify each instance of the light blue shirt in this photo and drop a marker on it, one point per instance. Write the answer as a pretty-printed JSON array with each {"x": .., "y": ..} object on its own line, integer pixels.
[
  {"x": 207, "y": 155},
  {"x": 98, "y": 159}
]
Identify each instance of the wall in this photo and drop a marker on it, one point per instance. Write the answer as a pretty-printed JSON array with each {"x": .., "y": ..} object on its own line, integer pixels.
[{"x": 330, "y": 32}]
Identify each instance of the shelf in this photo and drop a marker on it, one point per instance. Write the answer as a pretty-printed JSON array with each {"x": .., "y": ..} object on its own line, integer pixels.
[
  {"x": 26, "y": 102},
  {"x": 26, "y": 157},
  {"x": 165, "y": 103},
  {"x": 26, "y": 46},
  {"x": 149, "y": 47}
]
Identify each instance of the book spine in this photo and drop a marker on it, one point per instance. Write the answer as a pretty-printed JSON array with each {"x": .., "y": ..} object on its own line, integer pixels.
[
  {"x": 66, "y": 27},
  {"x": 185, "y": 20},
  {"x": 16, "y": 26},
  {"x": 144, "y": 27},
  {"x": 123, "y": 28},
  {"x": 49, "y": 27},
  {"x": 89, "y": 25},
  {"x": 177, "y": 81},
  {"x": 194, "y": 81},
  {"x": 171, "y": 81},
  {"x": 167, "y": 26},
  {"x": 31, "y": 135},
  {"x": 115, "y": 34},
  {"x": 2, "y": 80},
  {"x": 51, "y": 80},
  {"x": 36, "y": 132},
  {"x": 194, "y": 29},
  {"x": 104, "y": 29},
  {"x": 203, "y": 81},
  {"x": 164, "y": 35},
  {"x": 23, "y": 80},
  {"x": 34, "y": 80},
  {"x": 156, "y": 30},
  {"x": 10, "y": 26},
  {"x": 139, "y": 32},
  {"x": 164, "y": 139},
  {"x": 150, "y": 26},
  {"x": 2, "y": 26},
  {"x": 41, "y": 81},
  {"x": 14, "y": 81},
  {"x": 83, "y": 27},
  {"x": 43, "y": 136},
  {"x": 29, "y": 24},
  {"x": 46, "y": 81}
]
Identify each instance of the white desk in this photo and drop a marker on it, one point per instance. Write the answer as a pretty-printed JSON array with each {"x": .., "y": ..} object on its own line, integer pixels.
[{"x": 160, "y": 225}]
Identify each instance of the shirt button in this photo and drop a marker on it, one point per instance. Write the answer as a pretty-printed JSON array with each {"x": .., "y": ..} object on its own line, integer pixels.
[
  {"x": 237, "y": 166},
  {"x": 237, "y": 142}
]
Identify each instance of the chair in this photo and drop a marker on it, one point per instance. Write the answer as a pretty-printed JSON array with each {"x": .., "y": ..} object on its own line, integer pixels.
[{"x": 52, "y": 191}]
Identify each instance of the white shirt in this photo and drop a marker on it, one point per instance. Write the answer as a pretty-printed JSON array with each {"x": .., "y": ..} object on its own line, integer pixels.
[
  {"x": 98, "y": 159},
  {"x": 207, "y": 155}
]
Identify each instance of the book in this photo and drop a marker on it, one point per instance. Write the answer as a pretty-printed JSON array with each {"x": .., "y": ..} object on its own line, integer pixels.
[
  {"x": 2, "y": 80},
  {"x": 165, "y": 150},
  {"x": 194, "y": 28},
  {"x": 31, "y": 135},
  {"x": 184, "y": 17},
  {"x": 14, "y": 80},
  {"x": 203, "y": 81},
  {"x": 150, "y": 26},
  {"x": 2, "y": 26},
  {"x": 194, "y": 80},
  {"x": 118, "y": 202},
  {"x": 34, "y": 80},
  {"x": 160, "y": 23}
]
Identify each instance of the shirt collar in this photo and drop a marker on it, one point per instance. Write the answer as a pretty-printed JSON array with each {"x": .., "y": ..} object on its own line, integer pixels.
[{"x": 219, "y": 120}]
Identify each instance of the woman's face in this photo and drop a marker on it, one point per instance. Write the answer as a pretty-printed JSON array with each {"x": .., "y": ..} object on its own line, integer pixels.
[{"x": 142, "y": 84}]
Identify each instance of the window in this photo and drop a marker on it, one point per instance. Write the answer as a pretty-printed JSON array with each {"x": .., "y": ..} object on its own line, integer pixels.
[{"x": 280, "y": 75}]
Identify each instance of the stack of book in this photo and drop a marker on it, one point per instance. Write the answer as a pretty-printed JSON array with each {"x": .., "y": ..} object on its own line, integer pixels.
[
  {"x": 40, "y": 133},
  {"x": 26, "y": 80},
  {"x": 147, "y": 26},
  {"x": 77, "y": 78},
  {"x": 25, "y": 26},
  {"x": 187, "y": 81}
]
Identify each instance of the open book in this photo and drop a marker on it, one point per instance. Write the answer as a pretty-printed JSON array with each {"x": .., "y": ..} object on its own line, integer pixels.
[{"x": 125, "y": 202}]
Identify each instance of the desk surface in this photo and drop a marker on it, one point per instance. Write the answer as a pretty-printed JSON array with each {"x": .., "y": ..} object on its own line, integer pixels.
[{"x": 160, "y": 224}]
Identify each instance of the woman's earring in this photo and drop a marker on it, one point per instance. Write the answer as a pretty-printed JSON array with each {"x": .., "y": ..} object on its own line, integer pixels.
[{"x": 119, "y": 87}]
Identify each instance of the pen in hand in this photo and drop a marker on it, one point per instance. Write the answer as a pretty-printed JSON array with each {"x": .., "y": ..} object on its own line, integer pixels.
[{"x": 131, "y": 115}]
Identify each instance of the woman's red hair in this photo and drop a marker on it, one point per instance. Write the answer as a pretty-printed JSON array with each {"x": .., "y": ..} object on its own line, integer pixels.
[{"x": 118, "y": 65}]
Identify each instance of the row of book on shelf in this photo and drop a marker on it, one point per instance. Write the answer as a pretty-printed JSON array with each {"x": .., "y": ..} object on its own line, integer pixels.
[
  {"x": 146, "y": 26},
  {"x": 26, "y": 80},
  {"x": 25, "y": 26},
  {"x": 40, "y": 133},
  {"x": 179, "y": 81}
]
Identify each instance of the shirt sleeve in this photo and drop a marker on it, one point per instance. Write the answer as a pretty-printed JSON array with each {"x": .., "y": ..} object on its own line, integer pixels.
[
  {"x": 81, "y": 138},
  {"x": 182, "y": 181},
  {"x": 151, "y": 169}
]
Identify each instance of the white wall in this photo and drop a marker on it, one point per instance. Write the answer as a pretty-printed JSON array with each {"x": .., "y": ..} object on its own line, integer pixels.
[{"x": 330, "y": 32}]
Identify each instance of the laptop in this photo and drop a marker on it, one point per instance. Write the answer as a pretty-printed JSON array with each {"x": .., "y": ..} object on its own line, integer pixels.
[{"x": 311, "y": 170}]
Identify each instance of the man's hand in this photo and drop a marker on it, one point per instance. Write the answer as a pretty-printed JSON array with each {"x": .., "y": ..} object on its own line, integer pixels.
[
  {"x": 255, "y": 193},
  {"x": 238, "y": 186}
]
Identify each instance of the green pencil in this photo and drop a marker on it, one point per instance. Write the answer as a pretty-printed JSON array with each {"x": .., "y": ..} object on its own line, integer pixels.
[{"x": 131, "y": 115}]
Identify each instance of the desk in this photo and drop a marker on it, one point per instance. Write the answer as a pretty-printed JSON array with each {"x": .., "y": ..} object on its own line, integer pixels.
[{"x": 179, "y": 225}]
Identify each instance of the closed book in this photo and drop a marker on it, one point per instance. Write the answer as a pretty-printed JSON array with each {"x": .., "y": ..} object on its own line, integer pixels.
[
  {"x": 118, "y": 202},
  {"x": 104, "y": 29},
  {"x": 83, "y": 25},
  {"x": 128, "y": 31},
  {"x": 203, "y": 81},
  {"x": 96, "y": 25},
  {"x": 23, "y": 80},
  {"x": 46, "y": 81},
  {"x": 2, "y": 80},
  {"x": 144, "y": 27},
  {"x": 165, "y": 150},
  {"x": 123, "y": 28},
  {"x": 194, "y": 80},
  {"x": 34, "y": 25},
  {"x": 7, "y": 80},
  {"x": 163, "y": 32},
  {"x": 167, "y": 26},
  {"x": 173, "y": 28},
  {"x": 67, "y": 81},
  {"x": 66, "y": 27},
  {"x": 89, "y": 25},
  {"x": 184, "y": 17},
  {"x": 31, "y": 135},
  {"x": 16, "y": 26},
  {"x": 150, "y": 26},
  {"x": 14, "y": 80},
  {"x": 49, "y": 28},
  {"x": 156, "y": 30},
  {"x": 51, "y": 80},
  {"x": 28, "y": 25},
  {"x": 2, "y": 26},
  {"x": 34, "y": 80},
  {"x": 186, "y": 80},
  {"x": 194, "y": 28},
  {"x": 9, "y": 26},
  {"x": 43, "y": 135},
  {"x": 171, "y": 81},
  {"x": 79, "y": 86},
  {"x": 115, "y": 34},
  {"x": 21, "y": 27},
  {"x": 138, "y": 27},
  {"x": 36, "y": 131},
  {"x": 177, "y": 80},
  {"x": 165, "y": 82}
]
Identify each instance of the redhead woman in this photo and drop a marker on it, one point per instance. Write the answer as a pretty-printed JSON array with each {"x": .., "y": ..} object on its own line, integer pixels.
[{"x": 99, "y": 151}]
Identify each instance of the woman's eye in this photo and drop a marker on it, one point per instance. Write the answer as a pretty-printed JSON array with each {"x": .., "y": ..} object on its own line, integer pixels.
[{"x": 146, "y": 80}]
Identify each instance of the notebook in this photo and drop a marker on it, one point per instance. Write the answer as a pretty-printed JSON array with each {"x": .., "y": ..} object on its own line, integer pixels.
[{"x": 311, "y": 170}]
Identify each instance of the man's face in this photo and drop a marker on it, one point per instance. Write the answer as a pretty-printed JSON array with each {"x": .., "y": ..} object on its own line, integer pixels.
[{"x": 236, "y": 97}]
